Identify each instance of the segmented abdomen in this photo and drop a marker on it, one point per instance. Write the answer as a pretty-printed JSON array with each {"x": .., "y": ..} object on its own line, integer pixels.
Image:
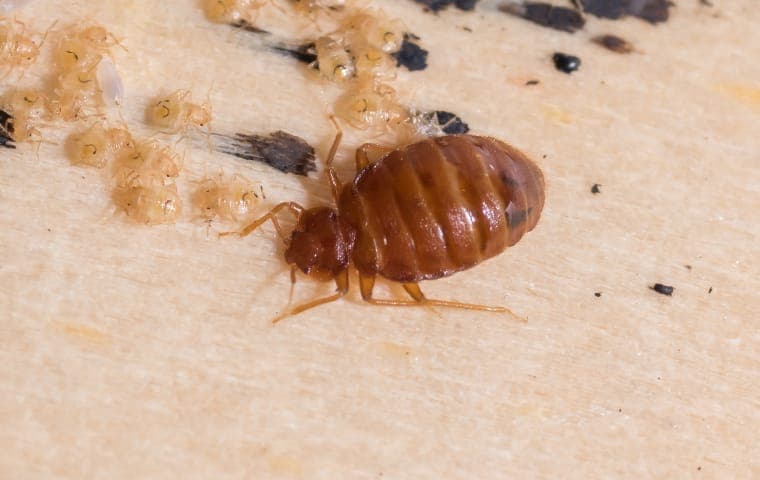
[{"x": 441, "y": 205}]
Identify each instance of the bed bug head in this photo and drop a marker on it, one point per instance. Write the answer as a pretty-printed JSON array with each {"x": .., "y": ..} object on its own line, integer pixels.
[{"x": 321, "y": 244}]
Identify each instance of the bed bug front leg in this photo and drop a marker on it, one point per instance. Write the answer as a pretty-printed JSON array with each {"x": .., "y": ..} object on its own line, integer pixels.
[
  {"x": 293, "y": 207},
  {"x": 341, "y": 287}
]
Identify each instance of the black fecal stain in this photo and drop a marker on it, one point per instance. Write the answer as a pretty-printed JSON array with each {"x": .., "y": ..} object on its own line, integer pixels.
[
  {"x": 663, "y": 289},
  {"x": 653, "y": 11},
  {"x": 597, "y": 294},
  {"x": 248, "y": 27},
  {"x": 411, "y": 55},
  {"x": 613, "y": 43},
  {"x": 438, "y": 5},
  {"x": 6, "y": 130},
  {"x": 450, "y": 123},
  {"x": 281, "y": 150},
  {"x": 709, "y": 290},
  {"x": 530, "y": 83},
  {"x": 306, "y": 53},
  {"x": 595, "y": 188},
  {"x": 565, "y": 62},
  {"x": 547, "y": 15}
]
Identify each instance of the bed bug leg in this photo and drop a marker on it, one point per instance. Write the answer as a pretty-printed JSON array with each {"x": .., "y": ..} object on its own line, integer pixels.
[
  {"x": 295, "y": 208},
  {"x": 332, "y": 176},
  {"x": 341, "y": 283},
  {"x": 367, "y": 283},
  {"x": 370, "y": 153}
]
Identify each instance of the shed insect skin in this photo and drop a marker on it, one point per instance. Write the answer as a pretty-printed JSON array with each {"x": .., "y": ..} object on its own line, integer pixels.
[
  {"x": 17, "y": 50},
  {"x": 420, "y": 212}
]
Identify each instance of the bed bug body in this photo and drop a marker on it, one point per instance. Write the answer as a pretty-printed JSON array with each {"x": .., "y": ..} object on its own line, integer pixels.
[{"x": 420, "y": 212}]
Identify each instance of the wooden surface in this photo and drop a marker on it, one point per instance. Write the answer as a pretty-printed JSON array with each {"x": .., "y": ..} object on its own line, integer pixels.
[{"x": 137, "y": 352}]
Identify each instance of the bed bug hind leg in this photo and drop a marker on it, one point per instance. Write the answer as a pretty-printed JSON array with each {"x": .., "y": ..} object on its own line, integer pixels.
[
  {"x": 341, "y": 284},
  {"x": 367, "y": 283}
]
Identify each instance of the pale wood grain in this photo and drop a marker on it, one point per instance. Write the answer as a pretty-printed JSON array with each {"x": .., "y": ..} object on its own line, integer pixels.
[{"x": 135, "y": 352}]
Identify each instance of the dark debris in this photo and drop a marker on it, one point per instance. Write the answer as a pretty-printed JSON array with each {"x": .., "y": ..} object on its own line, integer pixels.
[
  {"x": 411, "y": 55},
  {"x": 281, "y": 150},
  {"x": 565, "y": 62},
  {"x": 532, "y": 82},
  {"x": 653, "y": 11},
  {"x": 547, "y": 15},
  {"x": 438, "y": 5},
  {"x": 663, "y": 289},
  {"x": 450, "y": 123},
  {"x": 6, "y": 130},
  {"x": 595, "y": 188},
  {"x": 613, "y": 43},
  {"x": 597, "y": 294},
  {"x": 248, "y": 27},
  {"x": 305, "y": 53}
]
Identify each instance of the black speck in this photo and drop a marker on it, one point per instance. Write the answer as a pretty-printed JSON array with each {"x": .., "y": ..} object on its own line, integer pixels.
[
  {"x": 248, "y": 27},
  {"x": 467, "y": 29},
  {"x": 659, "y": 378},
  {"x": 450, "y": 123},
  {"x": 532, "y": 82},
  {"x": 620, "y": 410},
  {"x": 546, "y": 15},
  {"x": 688, "y": 267},
  {"x": 595, "y": 189},
  {"x": 706, "y": 3},
  {"x": 709, "y": 290},
  {"x": 663, "y": 289},
  {"x": 411, "y": 55},
  {"x": 653, "y": 11},
  {"x": 597, "y": 294},
  {"x": 438, "y": 5},
  {"x": 281, "y": 150},
  {"x": 565, "y": 62},
  {"x": 613, "y": 43},
  {"x": 699, "y": 468},
  {"x": 305, "y": 53},
  {"x": 49, "y": 230}
]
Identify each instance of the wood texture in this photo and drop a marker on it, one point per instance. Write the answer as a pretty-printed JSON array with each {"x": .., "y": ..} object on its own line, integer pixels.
[{"x": 136, "y": 352}]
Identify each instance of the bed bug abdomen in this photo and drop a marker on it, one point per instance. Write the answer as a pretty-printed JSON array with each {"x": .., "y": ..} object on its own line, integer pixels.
[{"x": 441, "y": 205}]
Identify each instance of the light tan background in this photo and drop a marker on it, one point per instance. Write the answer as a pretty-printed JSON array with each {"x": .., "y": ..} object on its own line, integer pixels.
[{"x": 136, "y": 352}]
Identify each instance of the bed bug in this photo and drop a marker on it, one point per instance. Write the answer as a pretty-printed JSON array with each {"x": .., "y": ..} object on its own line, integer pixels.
[
  {"x": 419, "y": 212},
  {"x": 16, "y": 48},
  {"x": 147, "y": 200},
  {"x": 369, "y": 104},
  {"x": 176, "y": 113},
  {"x": 148, "y": 160},
  {"x": 83, "y": 49},
  {"x": 98, "y": 145},
  {"x": 230, "y": 199}
]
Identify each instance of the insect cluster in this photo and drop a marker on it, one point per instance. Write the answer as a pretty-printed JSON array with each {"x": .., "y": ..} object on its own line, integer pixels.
[{"x": 86, "y": 88}]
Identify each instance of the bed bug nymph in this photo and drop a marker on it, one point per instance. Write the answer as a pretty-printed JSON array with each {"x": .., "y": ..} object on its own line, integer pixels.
[{"x": 419, "y": 212}]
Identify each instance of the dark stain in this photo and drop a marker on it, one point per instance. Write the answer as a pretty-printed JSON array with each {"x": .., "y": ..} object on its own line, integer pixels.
[
  {"x": 547, "y": 15},
  {"x": 450, "y": 123},
  {"x": 706, "y": 3},
  {"x": 467, "y": 29},
  {"x": 663, "y": 289},
  {"x": 516, "y": 218},
  {"x": 653, "y": 11},
  {"x": 597, "y": 294},
  {"x": 530, "y": 83},
  {"x": 613, "y": 43},
  {"x": 281, "y": 150},
  {"x": 6, "y": 130},
  {"x": 595, "y": 188},
  {"x": 709, "y": 290},
  {"x": 688, "y": 267},
  {"x": 438, "y": 5},
  {"x": 305, "y": 53},
  {"x": 411, "y": 55},
  {"x": 248, "y": 27},
  {"x": 565, "y": 62}
]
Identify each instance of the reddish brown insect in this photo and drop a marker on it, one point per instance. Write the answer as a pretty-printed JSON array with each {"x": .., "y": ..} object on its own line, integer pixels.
[{"x": 420, "y": 212}]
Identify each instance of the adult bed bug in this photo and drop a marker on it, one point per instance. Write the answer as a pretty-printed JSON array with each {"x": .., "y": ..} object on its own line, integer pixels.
[{"x": 419, "y": 212}]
